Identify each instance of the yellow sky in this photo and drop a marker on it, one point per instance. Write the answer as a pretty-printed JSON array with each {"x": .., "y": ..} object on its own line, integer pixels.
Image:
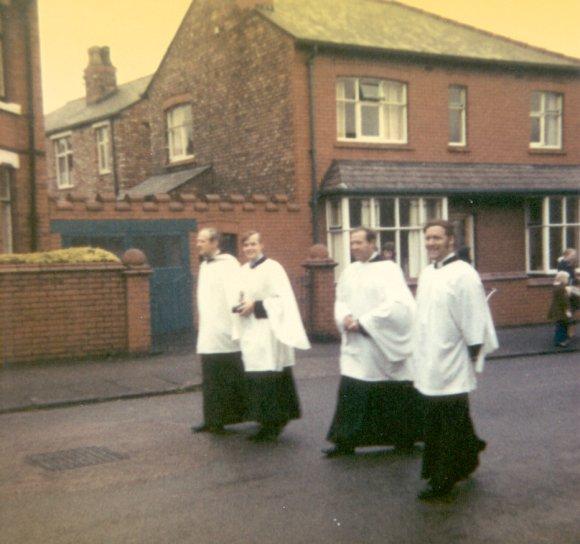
[{"x": 139, "y": 31}]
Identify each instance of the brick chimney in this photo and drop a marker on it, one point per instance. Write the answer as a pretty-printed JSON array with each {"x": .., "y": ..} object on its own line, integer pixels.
[
  {"x": 251, "y": 4},
  {"x": 100, "y": 75}
]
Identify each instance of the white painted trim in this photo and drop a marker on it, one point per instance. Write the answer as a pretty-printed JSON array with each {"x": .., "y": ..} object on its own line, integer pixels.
[
  {"x": 11, "y": 107},
  {"x": 61, "y": 135},
  {"x": 10, "y": 158}
]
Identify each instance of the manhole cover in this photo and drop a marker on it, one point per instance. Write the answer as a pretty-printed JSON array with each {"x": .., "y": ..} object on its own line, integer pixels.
[{"x": 75, "y": 458}]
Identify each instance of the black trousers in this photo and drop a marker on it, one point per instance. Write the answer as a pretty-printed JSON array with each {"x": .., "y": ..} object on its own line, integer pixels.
[
  {"x": 376, "y": 413},
  {"x": 451, "y": 446},
  {"x": 224, "y": 388},
  {"x": 272, "y": 398}
]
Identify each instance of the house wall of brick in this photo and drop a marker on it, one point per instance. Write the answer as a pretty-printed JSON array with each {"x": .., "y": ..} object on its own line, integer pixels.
[
  {"x": 29, "y": 227},
  {"x": 130, "y": 148},
  {"x": 235, "y": 71},
  {"x": 55, "y": 312}
]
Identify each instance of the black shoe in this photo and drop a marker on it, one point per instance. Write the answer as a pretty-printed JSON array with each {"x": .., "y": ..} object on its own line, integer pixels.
[
  {"x": 434, "y": 493},
  {"x": 205, "y": 428},
  {"x": 337, "y": 451}
]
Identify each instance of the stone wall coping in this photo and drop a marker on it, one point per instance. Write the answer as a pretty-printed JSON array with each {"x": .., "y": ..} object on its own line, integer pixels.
[
  {"x": 104, "y": 203},
  {"x": 48, "y": 268}
]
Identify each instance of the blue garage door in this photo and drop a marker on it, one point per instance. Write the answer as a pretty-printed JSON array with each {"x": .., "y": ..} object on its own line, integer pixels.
[{"x": 166, "y": 245}]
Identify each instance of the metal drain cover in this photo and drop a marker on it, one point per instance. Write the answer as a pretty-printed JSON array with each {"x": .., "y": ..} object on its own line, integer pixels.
[{"x": 75, "y": 458}]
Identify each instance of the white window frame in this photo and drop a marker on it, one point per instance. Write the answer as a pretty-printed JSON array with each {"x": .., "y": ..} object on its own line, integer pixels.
[
  {"x": 2, "y": 55},
  {"x": 64, "y": 176},
  {"x": 460, "y": 107},
  {"x": 104, "y": 150},
  {"x": 543, "y": 116},
  {"x": 178, "y": 133},
  {"x": 344, "y": 229},
  {"x": 6, "y": 209},
  {"x": 544, "y": 227},
  {"x": 383, "y": 104}
]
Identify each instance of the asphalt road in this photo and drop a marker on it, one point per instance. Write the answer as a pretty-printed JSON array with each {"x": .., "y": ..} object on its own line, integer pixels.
[{"x": 174, "y": 487}]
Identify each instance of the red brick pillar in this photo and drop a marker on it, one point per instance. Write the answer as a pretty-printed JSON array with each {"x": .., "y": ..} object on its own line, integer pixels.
[
  {"x": 321, "y": 290},
  {"x": 138, "y": 307}
]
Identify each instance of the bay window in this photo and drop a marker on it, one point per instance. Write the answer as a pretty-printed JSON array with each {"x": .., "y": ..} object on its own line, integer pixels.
[
  {"x": 552, "y": 225},
  {"x": 395, "y": 219}
]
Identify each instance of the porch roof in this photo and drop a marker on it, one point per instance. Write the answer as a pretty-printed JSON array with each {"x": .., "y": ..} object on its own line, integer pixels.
[
  {"x": 382, "y": 177},
  {"x": 164, "y": 183}
]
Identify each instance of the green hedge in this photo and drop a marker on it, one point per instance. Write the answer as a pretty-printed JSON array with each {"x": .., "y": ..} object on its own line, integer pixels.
[{"x": 73, "y": 255}]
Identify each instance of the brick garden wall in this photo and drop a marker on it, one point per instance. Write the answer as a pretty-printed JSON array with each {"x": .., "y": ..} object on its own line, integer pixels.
[{"x": 72, "y": 311}]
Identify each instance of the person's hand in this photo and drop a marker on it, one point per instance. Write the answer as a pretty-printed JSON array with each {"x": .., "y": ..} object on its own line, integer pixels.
[
  {"x": 247, "y": 308},
  {"x": 350, "y": 324}
]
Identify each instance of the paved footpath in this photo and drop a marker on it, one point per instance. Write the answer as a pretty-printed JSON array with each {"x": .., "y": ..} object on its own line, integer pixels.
[{"x": 58, "y": 384}]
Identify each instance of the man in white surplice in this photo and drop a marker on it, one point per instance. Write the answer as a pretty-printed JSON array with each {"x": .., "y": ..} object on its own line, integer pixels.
[
  {"x": 374, "y": 311},
  {"x": 270, "y": 328},
  {"x": 453, "y": 332},
  {"x": 218, "y": 291}
]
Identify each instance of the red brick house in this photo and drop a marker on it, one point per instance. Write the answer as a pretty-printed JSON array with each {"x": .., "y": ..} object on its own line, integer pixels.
[
  {"x": 369, "y": 112},
  {"x": 23, "y": 202}
]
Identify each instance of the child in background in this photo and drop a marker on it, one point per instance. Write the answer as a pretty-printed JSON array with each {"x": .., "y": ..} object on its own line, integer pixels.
[{"x": 561, "y": 310}]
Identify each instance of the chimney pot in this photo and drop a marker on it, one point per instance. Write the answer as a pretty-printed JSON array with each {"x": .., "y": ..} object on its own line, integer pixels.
[{"x": 100, "y": 75}]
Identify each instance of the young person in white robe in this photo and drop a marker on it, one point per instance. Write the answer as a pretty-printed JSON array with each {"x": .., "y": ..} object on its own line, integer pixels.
[
  {"x": 218, "y": 290},
  {"x": 453, "y": 333},
  {"x": 374, "y": 311},
  {"x": 271, "y": 328}
]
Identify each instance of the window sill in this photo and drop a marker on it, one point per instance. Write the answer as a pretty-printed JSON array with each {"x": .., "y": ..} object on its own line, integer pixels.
[
  {"x": 540, "y": 151},
  {"x": 64, "y": 187},
  {"x": 458, "y": 149},
  {"x": 180, "y": 162},
  {"x": 373, "y": 145},
  {"x": 11, "y": 107}
]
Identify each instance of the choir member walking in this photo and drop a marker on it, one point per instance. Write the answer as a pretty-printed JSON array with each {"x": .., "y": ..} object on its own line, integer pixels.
[
  {"x": 374, "y": 309},
  {"x": 218, "y": 288},
  {"x": 453, "y": 333},
  {"x": 271, "y": 328}
]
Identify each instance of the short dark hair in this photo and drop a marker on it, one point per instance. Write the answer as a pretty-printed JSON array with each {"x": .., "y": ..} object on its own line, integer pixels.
[
  {"x": 389, "y": 246},
  {"x": 370, "y": 235},
  {"x": 443, "y": 223},
  {"x": 250, "y": 233}
]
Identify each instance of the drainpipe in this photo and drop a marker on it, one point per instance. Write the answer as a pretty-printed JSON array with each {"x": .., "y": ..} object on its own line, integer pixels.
[
  {"x": 31, "y": 128},
  {"x": 313, "y": 150},
  {"x": 114, "y": 159}
]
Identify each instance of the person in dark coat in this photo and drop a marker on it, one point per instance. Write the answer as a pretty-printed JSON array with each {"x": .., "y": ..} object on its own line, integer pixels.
[{"x": 560, "y": 311}]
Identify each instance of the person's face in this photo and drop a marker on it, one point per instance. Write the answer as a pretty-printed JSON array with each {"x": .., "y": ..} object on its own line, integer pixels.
[
  {"x": 359, "y": 247},
  {"x": 252, "y": 247},
  {"x": 437, "y": 243},
  {"x": 205, "y": 246}
]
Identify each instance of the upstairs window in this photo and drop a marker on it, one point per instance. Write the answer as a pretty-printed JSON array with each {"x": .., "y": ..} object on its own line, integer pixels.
[
  {"x": 553, "y": 224},
  {"x": 457, "y": 115},
  {"x": 5, "y": 211},
  {"x": 103, "y": 137},
  {"x": 180, "y": 133},
  {"x": 371, "y": 110},
  {"x": 546, "y": 117},
  {"x": 2, "y": 54},
  {"x": 64, "y": 161}
]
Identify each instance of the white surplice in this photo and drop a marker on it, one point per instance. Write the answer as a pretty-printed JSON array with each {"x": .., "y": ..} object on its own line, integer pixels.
[
  {"x": 377, "y": 295},
  {"x": 452, "y": 314},
  {"x": 218, "y": 291},
  {"x": 268, "y": 343}
]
